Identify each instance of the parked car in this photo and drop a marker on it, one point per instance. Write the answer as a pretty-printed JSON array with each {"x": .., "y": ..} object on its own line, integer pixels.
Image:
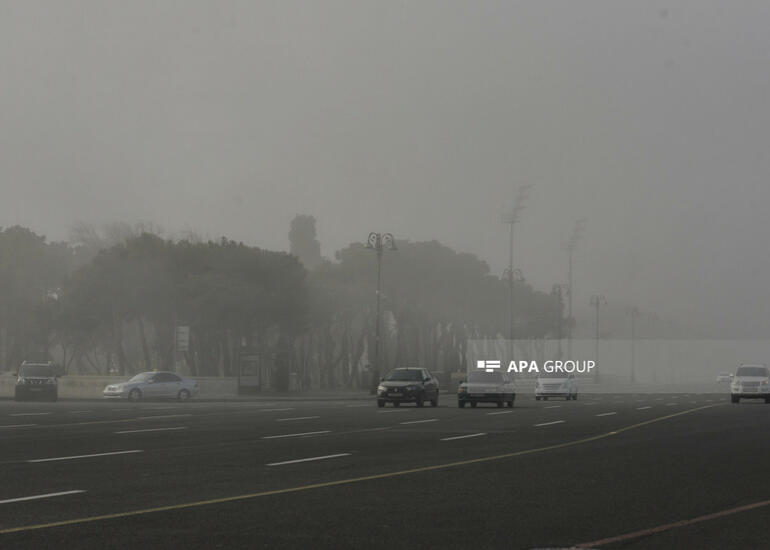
[
  {"x": 408, "y": 385},
  {"x": 556, "y": 385},
  {"x": 486, "y": 387},
  {"x": 36, "y": 380},
  {"x": 724, "y": 377},
  {"x": 152, "y": 385},
  {"x": 752, "y": 382}
]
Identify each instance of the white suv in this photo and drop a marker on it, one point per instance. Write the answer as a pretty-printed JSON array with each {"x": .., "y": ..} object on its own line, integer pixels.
[
  {"x": 752, "y": 381},
  {"x": 556, "y": 385}
]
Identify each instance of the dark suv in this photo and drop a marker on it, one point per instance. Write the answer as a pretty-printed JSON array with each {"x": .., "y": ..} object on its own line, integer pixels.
[
  {"x": 36, "y": 380},
  {"x": 413, "y": 385}
]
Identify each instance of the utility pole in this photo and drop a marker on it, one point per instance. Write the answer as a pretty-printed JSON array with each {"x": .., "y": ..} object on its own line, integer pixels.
[
  {"x": 511, "y": 219},
  {"x": 378, "y": 242},
  {"x": 557, "y": 290},
  {"x": 597, "y": 300},
  {"x": 577, "y": 232},
  {"x": 633, "y": 312}
]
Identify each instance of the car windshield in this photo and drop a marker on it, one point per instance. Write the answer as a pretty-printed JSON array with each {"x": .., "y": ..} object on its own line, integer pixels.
[
  {"x": 751, "y": 371},
  {"x": 142, "y": 377},
  {"x": 36, "y": 370},
  {"x": 485, "y": 378},
  {"x": 404, "y": 375}
]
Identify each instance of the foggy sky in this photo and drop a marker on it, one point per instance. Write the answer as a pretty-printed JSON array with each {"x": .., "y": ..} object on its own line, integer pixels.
[{"x": 420, "y": 118}]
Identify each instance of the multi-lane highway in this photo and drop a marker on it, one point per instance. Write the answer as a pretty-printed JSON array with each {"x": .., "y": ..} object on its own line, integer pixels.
[{"x": 609, "y": 471}]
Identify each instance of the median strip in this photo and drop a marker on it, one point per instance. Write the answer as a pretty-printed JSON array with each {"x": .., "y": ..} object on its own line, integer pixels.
[{"x": 307, "y": 459}]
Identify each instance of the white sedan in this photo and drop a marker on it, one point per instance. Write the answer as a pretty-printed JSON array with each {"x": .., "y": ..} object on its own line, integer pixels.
[{"x": 153, "y": 385}]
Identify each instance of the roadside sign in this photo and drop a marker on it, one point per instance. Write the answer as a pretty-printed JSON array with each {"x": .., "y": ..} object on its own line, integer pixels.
[{"x": 182, "y": 338}]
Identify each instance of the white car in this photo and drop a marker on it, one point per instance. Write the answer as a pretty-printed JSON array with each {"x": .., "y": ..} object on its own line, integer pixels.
[
  {"x": 751, "y": 381},
  {"x": 152, "y": 385},
  {"x": 724, "y": 377},
  {"x": 556, "y": 385}
]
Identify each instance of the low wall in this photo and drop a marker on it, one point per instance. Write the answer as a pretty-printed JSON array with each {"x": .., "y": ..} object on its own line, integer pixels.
[{"x": 91, "y": 387}]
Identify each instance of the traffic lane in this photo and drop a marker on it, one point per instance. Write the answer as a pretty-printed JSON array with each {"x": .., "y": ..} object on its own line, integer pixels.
[
  {"x": 224, "y": 428},
  {"x": 217, "y": 427},
  {"x": 641, "y": 477},
  {"x": 184, "y": 472}
]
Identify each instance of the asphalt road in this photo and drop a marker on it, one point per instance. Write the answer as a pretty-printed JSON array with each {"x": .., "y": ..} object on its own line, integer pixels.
[{"x": 335, "y": 474}]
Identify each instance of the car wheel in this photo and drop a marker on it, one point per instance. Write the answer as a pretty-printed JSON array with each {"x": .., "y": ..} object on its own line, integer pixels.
[
  {"x": 380, "y": 403},
  {"x": 574, "y": 396},
  {"x": 420, "y": 399},
  {"x": 499, "y": 404},
  {"x": 734, "y": 398},
  {"x": 473, "y": 404},
  {"x": 134, "y": 395},
  {"x": 434, "y": 402},
  {"x": 545, "y": 399},
  {"x": 461, "y": 404},
  {"x": 396, "y": 403},
  {"x": 537, "y": 398},
  {"x": 510, "y": 404},
  {"x": 767, "y": 399},
  {"x": 183, "y": 395},
  {"x": 569, "y": 396}
]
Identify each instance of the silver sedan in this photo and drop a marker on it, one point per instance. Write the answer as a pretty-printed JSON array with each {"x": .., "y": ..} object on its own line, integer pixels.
[{"x": 153, "y": 385}]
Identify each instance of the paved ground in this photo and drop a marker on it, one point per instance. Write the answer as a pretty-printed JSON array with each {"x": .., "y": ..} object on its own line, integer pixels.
[{"x": 346, "y": 474}]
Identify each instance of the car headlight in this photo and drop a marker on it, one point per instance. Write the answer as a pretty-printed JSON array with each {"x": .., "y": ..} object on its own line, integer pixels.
[
  {"x": 21, "y": 380},
  {"x": 764, "y": 382},
  {"x": 382, "y": 388},
  {"x": 461, "y": 389},
  {"x": 51, "y": 381}
]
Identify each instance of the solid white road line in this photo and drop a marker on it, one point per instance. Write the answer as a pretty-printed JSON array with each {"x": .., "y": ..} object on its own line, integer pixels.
[
  {"x": 277, "y": 410},
  {"x": 79, "y": 412},
  {"x": 18, "y": 425},
  {"x": 462, "y": 437},
  {"x": 296, "y": 435},
  {"x": 549, "y": 423},
  {"x": 84, "y": 456},
  {"x": 502, "y": 412},
  {"x": 394, "y": 411},
  {"x": 607, "y": 414},
  {"x": 151, "y": 430},
  {"x": 643, "y": 408},
  {"x": 29, "y": 414},
  {"x": 420, "y": 421},
  {"x": 36, "y": 497},
  {"x": 307, "y": 459},
  {"x": 296, "y": 418},
  {"x": 671, "y": 404},
  {"x": 554, "y": 406},
  {"x": 359, "y": 405}
]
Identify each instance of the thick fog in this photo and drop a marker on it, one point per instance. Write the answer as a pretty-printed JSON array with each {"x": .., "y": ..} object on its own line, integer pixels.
[{"x": 648, "y": 119}]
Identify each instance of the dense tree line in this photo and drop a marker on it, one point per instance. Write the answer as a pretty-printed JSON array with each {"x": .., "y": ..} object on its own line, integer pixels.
[{"x": 109, "y": 303}]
